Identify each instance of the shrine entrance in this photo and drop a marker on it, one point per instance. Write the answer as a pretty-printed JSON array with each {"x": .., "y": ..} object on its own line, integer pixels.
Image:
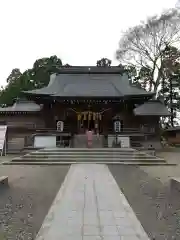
[
  {"x": 89, "y": 125},
  {"x": 89, "y": 120},
  {"x": 95, "y": 120}
]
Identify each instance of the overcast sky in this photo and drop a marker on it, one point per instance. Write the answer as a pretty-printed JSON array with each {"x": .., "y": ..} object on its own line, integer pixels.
[{"x": 78, "y": 31}]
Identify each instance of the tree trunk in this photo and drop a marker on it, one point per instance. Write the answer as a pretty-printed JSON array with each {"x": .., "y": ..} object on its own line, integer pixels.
[{"x": 171, "y": 103}]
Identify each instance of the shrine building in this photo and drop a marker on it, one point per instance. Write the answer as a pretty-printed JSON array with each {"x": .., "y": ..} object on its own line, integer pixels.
[{"x": 81, "y": 99}]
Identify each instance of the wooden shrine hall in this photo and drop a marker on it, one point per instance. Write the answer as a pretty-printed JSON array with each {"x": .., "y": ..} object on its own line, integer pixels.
[{"x": 81, "y": 99}]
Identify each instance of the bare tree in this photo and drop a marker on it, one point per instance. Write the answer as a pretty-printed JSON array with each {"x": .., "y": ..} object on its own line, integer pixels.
[{"x": 144, "y": 45}]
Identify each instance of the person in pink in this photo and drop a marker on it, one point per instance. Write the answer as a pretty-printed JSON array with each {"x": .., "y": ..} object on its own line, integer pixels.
[{"x": 89, "y": 135}]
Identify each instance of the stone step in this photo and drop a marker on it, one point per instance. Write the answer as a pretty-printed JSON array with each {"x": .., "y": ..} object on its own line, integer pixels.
[
  {"x": 89, "y": 149},
  {"x": 87, "y": 156},
  {"x": 86, "y": 152},
  {"x": 87, "y": 160},
  {"x": 51, "y": 163}
]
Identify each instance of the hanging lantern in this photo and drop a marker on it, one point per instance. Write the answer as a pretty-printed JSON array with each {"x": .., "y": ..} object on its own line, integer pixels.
[{"x": 60, "y": 126}]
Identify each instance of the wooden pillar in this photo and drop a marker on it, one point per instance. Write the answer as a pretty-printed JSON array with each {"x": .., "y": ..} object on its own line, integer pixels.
[
  {"x": 48, "y": 116},
  {"x": 79, "y": 118}
]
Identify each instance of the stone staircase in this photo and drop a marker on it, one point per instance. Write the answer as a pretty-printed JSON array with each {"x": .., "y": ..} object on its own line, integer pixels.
[{"x": 58, "y": 156}]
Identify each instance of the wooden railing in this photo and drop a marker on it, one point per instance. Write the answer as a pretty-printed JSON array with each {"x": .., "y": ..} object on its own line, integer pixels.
[
  {"x": 131, "y": 130},
  {"x": 138, "y": 130},
  {"x": 29, "y": 125},
  {"x": 134, "y": 130}
]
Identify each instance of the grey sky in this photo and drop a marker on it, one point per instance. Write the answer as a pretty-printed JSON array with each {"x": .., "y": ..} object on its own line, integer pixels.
[{"x": 78, "y": 31}]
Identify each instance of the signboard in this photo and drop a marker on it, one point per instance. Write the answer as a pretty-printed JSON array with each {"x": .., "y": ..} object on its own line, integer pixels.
[
  {"x": 117, "y": 126},
  {"x": 3, "y": 130},
  {"x": 125, "y": 141},
  {"x": 60, "y": 126},
  {"x": 45, "y": 141}
]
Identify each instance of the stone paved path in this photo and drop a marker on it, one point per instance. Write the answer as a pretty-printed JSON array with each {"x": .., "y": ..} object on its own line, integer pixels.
[{"x": 90, "y": 206}]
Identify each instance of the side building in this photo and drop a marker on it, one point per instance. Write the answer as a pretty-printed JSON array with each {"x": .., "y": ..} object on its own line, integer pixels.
[{"x": 87, "y": 98}]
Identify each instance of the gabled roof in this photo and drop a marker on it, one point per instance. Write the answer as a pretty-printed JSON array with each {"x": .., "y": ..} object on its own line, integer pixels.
[
  {"x": 152, "y": 108},
  {"x": 22, "y": 106},
  {"x": 85, "y": 82}
]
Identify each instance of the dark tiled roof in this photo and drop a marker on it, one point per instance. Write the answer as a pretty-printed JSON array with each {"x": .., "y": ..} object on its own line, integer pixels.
[
  {"x": 107, "y": 84},
  {"x": 152, "y": 108},
  {"x": 22, "y": 106}
]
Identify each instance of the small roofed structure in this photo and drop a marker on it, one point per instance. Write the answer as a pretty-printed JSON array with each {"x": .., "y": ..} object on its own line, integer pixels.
[
  {"x": 152, "y": 108},
  {"x": 21, "y": 106},
  {"x": 22, "y": 120}
]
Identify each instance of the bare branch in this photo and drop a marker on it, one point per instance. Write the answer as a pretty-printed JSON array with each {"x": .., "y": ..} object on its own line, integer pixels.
[{"x": 144, "y": 44}]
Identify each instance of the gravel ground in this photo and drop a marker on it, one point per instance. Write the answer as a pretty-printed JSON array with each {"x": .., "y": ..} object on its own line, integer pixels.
[
  {"x": 164, "y": 173},
  {"x": 157, "y": 209},
  {"x": 25, "y": 203}
]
